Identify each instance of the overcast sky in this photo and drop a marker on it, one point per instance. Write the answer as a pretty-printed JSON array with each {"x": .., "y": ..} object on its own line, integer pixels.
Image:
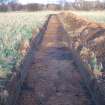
[
  {"x": 43, "y": 1},
  {"x": 40, "y": 1}
]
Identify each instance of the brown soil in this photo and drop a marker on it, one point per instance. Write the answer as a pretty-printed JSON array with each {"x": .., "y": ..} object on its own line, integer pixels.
[
  {"x": 53, "y": 78},
  {"x": 86, "y": 33}
]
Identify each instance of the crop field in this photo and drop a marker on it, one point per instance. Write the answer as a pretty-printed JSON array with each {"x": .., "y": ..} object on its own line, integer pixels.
[
  {"x": 40, "y": 55},
  {"x": 16, "y": 29},
  {"x": 97, "y": 16}
]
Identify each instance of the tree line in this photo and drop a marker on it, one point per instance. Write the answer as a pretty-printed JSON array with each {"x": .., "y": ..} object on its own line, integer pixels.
[
  {"x": 88, "y": 5},
  {"x": 13, "y": 5}
]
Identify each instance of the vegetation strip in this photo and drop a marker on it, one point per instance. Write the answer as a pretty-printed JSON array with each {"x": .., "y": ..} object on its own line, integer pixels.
[
  {"x": 13, "y": 87},
  {"x": 15, "y": 38}
]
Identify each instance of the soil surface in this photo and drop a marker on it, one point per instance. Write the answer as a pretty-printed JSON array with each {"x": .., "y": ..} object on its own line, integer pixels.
[{"x": 54, "y": 78}]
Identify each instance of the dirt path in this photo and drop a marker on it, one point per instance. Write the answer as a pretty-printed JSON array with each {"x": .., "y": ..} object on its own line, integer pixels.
[{"x": 53, "y": 78}]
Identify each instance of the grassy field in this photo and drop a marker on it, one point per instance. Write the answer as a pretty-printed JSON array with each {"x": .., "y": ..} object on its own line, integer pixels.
[
  {"x": 14, "y": 29},
  {"x": 97, "y": 16}
]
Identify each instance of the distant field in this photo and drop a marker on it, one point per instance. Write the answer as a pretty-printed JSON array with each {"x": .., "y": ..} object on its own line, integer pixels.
[
  {"x": 98, "y": 16},
  {"x": 14, "y": 29}
]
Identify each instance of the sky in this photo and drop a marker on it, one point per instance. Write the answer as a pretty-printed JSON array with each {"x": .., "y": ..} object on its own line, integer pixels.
[
  {"x": 44, "y": 1},
  {"x": 40, "y": 1}
]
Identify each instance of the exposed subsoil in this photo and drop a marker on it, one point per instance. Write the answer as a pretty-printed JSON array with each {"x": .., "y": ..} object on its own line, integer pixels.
[{"x": 53, "y": 78}]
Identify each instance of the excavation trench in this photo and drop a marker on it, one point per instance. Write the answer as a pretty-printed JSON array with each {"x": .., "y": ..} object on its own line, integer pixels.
[{"x": 53, "y": 78}]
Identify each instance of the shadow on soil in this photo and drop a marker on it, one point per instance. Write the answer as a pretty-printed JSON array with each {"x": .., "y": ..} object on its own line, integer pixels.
[{"x": 62, "y": 53}]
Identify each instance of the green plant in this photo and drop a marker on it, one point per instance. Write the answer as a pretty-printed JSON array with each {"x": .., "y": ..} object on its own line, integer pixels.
[
  {"x": 89, "y": 56},
  {"x": 14, "y": 27}
]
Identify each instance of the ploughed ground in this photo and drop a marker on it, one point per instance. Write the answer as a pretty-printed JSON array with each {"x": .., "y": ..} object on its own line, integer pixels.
[{"x": 54, "y": 78}]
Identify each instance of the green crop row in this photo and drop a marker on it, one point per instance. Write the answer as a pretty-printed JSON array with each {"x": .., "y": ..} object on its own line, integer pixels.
[{"x": 14, "y": 29}]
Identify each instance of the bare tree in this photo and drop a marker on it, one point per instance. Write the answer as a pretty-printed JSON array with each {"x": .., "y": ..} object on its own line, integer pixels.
[{"x": 62, "y": 3}]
